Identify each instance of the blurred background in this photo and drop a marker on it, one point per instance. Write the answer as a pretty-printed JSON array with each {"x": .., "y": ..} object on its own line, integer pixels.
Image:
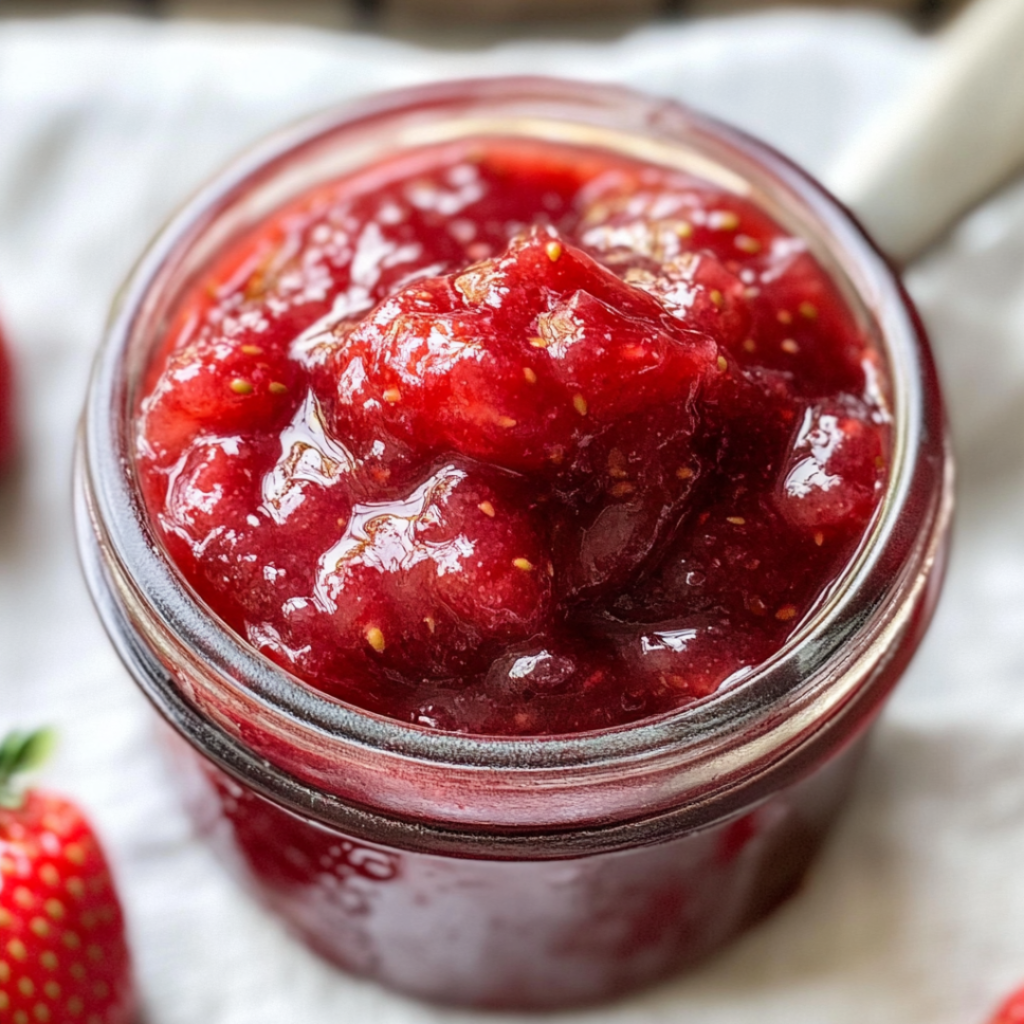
[{"x": 462, "y": 22}]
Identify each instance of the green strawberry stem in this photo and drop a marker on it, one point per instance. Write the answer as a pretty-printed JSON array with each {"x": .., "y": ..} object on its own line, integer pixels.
[{"x": 21, "y": 752}]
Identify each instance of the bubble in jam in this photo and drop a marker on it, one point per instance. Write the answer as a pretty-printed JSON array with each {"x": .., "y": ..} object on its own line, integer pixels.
[{"x": 515, "y": 438}]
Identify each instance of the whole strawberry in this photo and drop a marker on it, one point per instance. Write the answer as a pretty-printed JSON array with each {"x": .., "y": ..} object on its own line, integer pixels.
[
  {"x": 6, "y": 406},
  {"x": 1012, "y": 1011},
  {"x": 63, "y": 956}
]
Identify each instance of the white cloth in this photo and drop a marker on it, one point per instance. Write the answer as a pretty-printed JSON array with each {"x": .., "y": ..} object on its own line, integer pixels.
[{"x": 912, "y": 915}]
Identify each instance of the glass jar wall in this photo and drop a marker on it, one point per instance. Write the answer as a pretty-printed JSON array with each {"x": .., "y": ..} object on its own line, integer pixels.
[{"x": 510, "y": 872}]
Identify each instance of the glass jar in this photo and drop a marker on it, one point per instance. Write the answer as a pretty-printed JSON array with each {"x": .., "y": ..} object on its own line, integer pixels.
[{"x": 528, "y": 872}]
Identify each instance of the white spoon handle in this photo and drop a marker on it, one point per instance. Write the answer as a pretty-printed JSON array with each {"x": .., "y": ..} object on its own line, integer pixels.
[{"x": 956, "y": 136}]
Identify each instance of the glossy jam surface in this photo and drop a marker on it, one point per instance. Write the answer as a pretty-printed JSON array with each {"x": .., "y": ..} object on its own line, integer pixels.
[{"x": 514, "y": 438}]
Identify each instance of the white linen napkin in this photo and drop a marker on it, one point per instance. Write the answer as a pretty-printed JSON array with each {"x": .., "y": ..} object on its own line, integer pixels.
[{"x": 912, "y": 915}]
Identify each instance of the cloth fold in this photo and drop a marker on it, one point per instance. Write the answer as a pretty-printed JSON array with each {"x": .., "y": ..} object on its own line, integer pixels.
[{"x": 912, "y": 915}]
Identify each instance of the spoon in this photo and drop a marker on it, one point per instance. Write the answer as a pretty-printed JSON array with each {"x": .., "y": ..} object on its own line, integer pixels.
[{"x": 956, "y": 136}]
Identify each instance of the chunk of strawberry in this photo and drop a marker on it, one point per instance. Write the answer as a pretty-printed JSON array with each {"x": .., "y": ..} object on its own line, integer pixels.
[
  {"x": 834, "y": 469},
  {"x": 431, "y": 582},
  {"x": 535, "y": 272},
  {"x": 500, "y": 701},
  {"x": 631, "y": 487},
  {"x": 544, "y": 687},
  {"x": 698, "y": 291},
  {"x": 633, "y": 224},
  {"x": 735, "y": 561},
  {"x": 239, "y": 523},
  {"x": 517, "y": 361},
  {"x": 212, "y": 492},
  {"x": 614, "y": 365},
  {"x": 216, "y": 385},
  {"x": 424, "y": 368},
  {"x": 541, "y": 667},
  {"x": 674, "y": 663},
  {"x": 801, "y": 324},
  {"x": 748, "y": 419}
]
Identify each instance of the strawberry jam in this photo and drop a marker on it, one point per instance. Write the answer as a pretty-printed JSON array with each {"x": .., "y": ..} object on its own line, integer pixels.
[
  {"x": 523, "y": 591},
  {"x": 515, "y": 438}
]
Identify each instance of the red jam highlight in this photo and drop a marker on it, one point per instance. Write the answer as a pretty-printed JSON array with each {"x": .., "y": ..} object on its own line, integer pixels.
[{"x": 515, "y": 438}]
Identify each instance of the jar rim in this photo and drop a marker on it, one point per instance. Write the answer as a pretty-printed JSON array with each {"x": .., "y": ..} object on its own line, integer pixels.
[{"x": 777, "y": 706}]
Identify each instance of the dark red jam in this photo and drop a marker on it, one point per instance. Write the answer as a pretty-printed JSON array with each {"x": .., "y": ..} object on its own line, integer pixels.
[{"x": 515, "y": 438}]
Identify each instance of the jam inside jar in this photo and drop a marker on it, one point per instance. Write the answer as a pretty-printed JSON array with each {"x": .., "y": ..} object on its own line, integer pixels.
[{"x": 668, "y": 775}]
